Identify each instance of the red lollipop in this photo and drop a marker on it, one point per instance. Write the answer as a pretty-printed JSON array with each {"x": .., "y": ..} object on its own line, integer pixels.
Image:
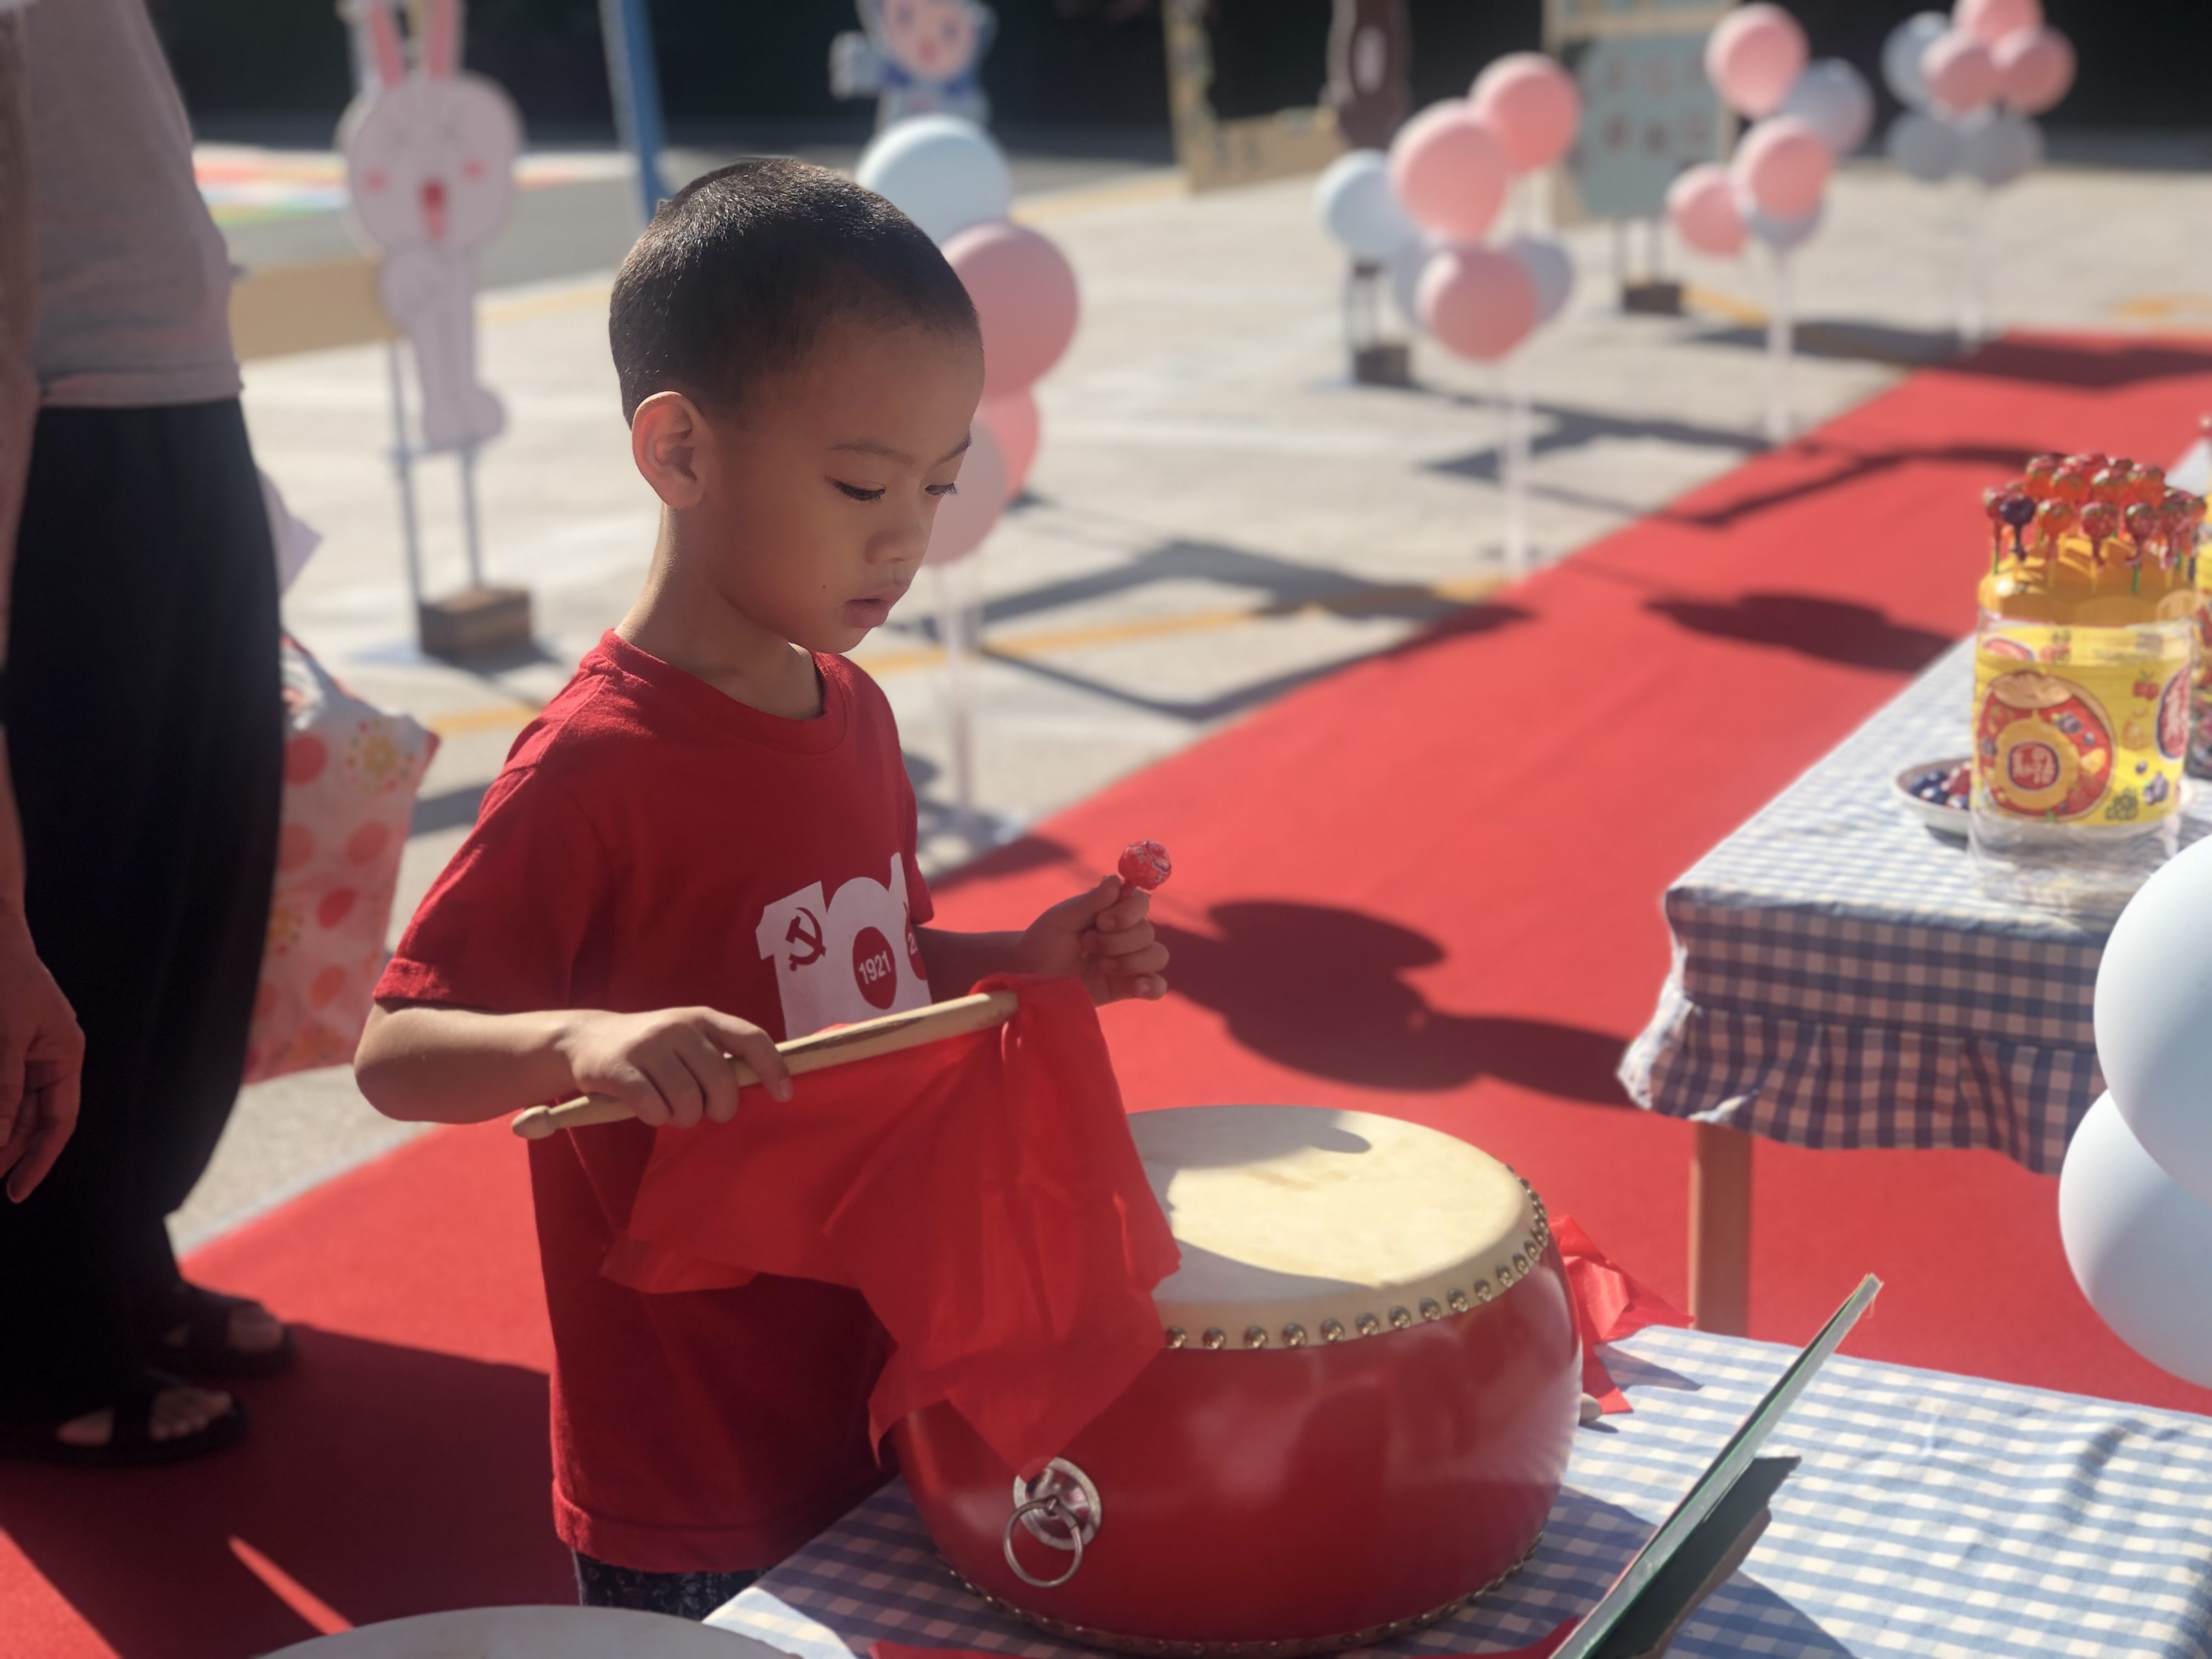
[
  {"x": 1144, "y": 864},
  {"x": 2070, "y": 482},
  {"x": 2036, "y": 481},
  {"x": 2101, "y": 522}
]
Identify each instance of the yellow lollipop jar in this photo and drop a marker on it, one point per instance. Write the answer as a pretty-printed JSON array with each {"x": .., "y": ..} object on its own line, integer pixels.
[{"x": 2085, "y": 671}]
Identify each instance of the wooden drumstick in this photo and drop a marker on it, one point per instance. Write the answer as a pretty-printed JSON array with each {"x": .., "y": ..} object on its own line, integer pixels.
[{"x": 838, "y": 1047}]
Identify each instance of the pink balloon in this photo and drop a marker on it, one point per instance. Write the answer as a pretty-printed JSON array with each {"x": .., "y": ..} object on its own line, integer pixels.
[
  {"x": 1477, "y": 302},
  {"x": 965, "y": 517},
  {"x": 1753, "y": 57},
  {"x": 1013, "y": 422},
  {"x": 2035, "y": 69},
  {"x": 1025, "y": 294},
  {"x": 1701, "y": 206},
  {"x": 1960, "y": 74},
  {"x": 1990, "y": 21},
  {"x": 1534, "y": 106},
  {"x": 1783, "y": 164},
  {"x": 1450, "y": 171}
]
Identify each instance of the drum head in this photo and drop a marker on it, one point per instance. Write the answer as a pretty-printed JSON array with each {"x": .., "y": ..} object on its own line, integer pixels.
[
  {"x": 534, "y": 1633},
  {"x": 1292, "y": 1217}
]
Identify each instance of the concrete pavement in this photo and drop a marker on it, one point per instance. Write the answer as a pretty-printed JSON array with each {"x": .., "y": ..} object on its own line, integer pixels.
[{"x": 1215, "y": 515}]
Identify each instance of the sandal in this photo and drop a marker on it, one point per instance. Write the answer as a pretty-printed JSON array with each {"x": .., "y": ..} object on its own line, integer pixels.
[
  {"x": 131, "y": 1444},
  {"x": 206, "y": 1349}
]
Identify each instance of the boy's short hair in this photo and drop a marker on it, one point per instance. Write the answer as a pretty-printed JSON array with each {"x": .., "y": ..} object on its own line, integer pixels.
[{"x": 738, "y": 272}]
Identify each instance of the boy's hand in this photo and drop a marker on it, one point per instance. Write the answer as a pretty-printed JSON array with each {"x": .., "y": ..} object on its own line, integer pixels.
[
  {"x": 1101, "y": 938},
  {"x": 668, "y": 1066}
]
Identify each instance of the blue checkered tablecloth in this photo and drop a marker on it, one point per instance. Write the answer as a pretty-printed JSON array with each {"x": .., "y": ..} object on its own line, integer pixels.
[
  {"x": 1933, "y": 1515},
  {"x": 1839, "y": 979}
]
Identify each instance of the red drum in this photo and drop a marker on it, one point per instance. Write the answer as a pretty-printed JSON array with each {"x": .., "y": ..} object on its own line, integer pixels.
[{"x": 1358, "y": 1419}]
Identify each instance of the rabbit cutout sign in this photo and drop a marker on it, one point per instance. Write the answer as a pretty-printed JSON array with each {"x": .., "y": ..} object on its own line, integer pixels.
[{"x": 429, "y": 157}]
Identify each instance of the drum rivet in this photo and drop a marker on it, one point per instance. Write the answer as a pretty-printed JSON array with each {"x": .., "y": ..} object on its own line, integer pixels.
[
  {"x": 1255, "y": 1337},
  {"x": 1369, "y": 1324},
  {"x": 1458, "y": 1300},
  {"x": 1503, "y": 1274},
  {"x": 1332, "y": 1330},
  {"x": 1399, "y": 1319},
  {"x": 1482, "y": 1291},
  {"x": 1431, "y": 1309},
  {"x": 1177, "y": 1336},
  {"x": 1294, "y": 1336},
  {"x": 1520, "y": 1263},
  {"x": 1216, "y": 1337}
]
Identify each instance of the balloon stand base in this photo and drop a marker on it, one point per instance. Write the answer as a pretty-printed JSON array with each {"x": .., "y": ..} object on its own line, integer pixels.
[
  {"x": 1652, "y": 299},
  {"x": 474, "y": 623},
  {"x": 1388, "y": 364}
]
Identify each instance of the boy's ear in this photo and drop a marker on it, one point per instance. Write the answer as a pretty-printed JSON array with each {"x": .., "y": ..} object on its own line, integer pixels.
[{"x": 668, "y": 441}]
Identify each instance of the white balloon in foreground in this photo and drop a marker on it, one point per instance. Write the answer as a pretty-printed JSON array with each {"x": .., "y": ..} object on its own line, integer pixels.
[
  {"x": 1551, "y": 268},
  {"x": 2140, "y": 1246},
  {"x": 1926, "y": 148},
  {"x": 965, "y": 517},
  {"x": 2153, "y": 1035},
  {"x": 1900, "y": 55},
  {"x": 2000, "y": 149},
  {"x": 941, "y": 172},
  {"x": 1356, "y": 205},
  {"x": 1781, "y": 234},
  {"x": 1833, "y": 98}
]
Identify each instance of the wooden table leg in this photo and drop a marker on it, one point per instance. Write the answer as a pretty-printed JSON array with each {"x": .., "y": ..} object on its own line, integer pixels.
[{"x": 1720, "y": 1230}]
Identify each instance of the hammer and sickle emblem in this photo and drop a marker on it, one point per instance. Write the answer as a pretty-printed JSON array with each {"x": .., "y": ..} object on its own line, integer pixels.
[{"x": 806, "y": 932}]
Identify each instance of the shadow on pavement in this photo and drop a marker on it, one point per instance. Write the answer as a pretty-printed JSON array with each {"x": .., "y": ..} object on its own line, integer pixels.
[{"x": 1831, "y": 631}]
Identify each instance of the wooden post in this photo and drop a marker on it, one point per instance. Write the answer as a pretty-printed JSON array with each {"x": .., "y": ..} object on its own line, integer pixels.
[{"x": 1720, "y": 1230}]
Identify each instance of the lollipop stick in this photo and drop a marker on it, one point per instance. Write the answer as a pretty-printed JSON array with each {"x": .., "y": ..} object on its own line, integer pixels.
[{"x": 1781, "y": 346}]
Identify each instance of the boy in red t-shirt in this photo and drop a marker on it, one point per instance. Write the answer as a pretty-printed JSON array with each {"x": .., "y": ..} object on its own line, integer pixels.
[{"x": 706, "y": 843}]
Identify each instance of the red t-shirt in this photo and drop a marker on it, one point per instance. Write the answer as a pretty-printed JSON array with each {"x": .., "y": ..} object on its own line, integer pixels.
[{"x": 652, "y": 843}]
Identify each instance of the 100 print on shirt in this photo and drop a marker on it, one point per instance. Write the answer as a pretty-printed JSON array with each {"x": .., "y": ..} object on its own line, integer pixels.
[{"x": 835, "y": 959}]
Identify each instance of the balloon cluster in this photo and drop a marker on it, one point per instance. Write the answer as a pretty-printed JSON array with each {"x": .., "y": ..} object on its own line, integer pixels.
[
  {"x": 2135, "y": 1196},
  {"x": 1804, "y": 116},
  {"x": 1425, "y": 209},
  {"x": 946, "y": 175},
  {"x": 1969, "y": 83}
]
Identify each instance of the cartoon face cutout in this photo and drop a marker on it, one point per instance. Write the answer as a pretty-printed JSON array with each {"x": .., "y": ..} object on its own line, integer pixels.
[
  {"x": 935, "y": 40},
  {"x": 431, "y": 163}
]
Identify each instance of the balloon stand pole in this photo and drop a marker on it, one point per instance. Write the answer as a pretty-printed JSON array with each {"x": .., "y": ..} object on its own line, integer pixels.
[
  {"x": 956, "y": 632},
  {"x": 1513, "y": 462},
  {"x": 1781, "y": 346},
  {"x": 1973, "y": 277}
]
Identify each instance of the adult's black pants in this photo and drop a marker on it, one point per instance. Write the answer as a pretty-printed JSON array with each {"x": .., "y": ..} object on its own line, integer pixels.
[{"x": 145, "y": 733}]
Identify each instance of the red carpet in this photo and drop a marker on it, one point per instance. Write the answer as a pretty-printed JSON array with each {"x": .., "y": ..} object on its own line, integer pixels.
[{"x": 1428, "y": 886}]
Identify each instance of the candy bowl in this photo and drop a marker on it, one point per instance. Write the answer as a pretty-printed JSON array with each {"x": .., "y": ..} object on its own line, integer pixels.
[{"x": 1937, "y": 792}]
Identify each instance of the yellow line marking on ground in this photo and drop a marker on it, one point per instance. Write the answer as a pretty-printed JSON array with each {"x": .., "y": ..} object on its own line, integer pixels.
[
  {"x": 2155, "y": 307},
  {"x": 1351, "y": 601},
  {"x": 1723, "y": 305},
  {"x": 592, "y": 293},
  {"x": 1087, "y": 198}
]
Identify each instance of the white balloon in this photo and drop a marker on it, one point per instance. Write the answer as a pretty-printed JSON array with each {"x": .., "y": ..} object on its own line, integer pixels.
[
  {"x": 1900, "y": 55},
  {"x": 941, "y": 172},
  {"x": 2140, "y": 1246},
  {"x": 2154, "y": 1014},
  {"x": 1834, "y": 99},
  {"x": 1551, "y": 268},
  {"x": 1406, "y": 264},
  {"x": 1926, "y": 148},
  {"x": 1780, "y": 234},
  {"x": 1357, "y": 206},
  {"x": 965, "y": 517},
  {"x": 2000, "y": 149}
]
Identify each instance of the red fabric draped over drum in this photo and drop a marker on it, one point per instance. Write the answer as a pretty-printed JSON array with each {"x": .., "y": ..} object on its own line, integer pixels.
[
  {"x": 1609, "y": 1305},
  {"x": 983, "y": 1193}
]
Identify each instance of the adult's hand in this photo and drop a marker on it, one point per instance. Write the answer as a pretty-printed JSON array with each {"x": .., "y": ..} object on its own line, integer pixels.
[{"x": 41, "y": 1059}]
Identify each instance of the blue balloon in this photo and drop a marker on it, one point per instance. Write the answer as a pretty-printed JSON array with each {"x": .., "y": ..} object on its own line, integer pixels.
[
  {"x": 1356, "y": 205},
  {"x": 941, "y": 172}
]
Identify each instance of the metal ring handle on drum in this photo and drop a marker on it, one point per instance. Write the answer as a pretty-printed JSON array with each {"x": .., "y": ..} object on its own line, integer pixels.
[{"x": 1048, "y": 1507}]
